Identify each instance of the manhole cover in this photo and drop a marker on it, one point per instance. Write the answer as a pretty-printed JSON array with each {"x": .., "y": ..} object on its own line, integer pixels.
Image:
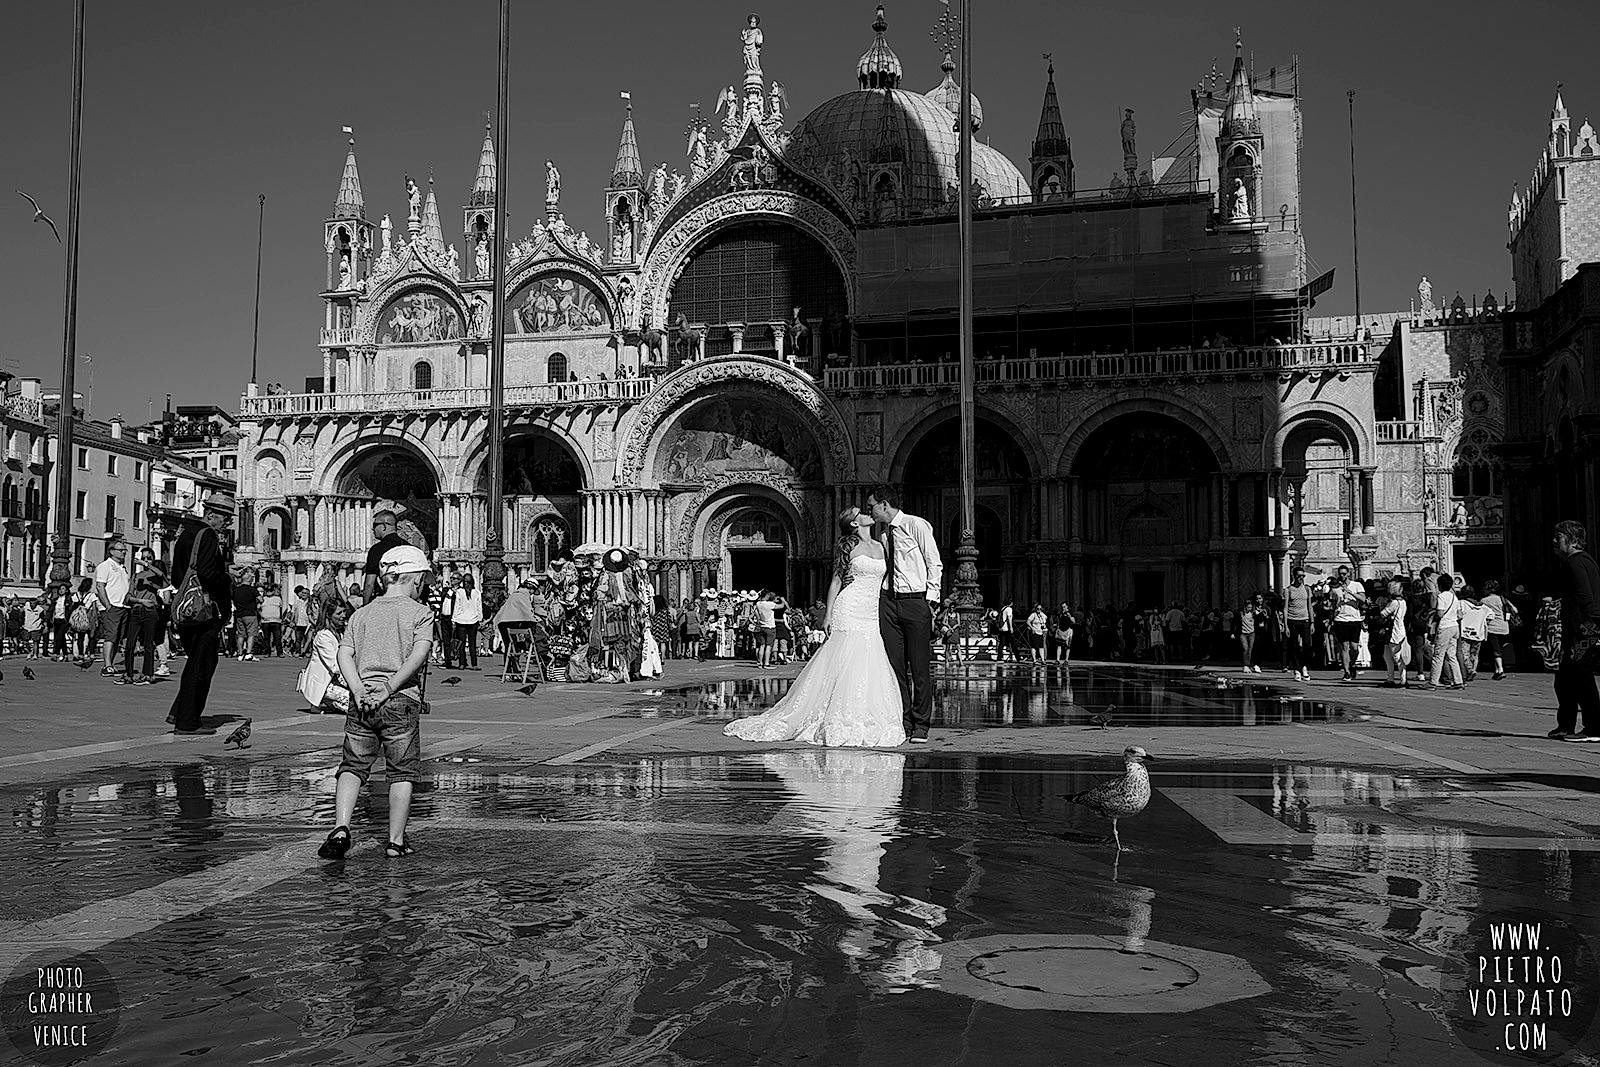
[
  {"x": 1083, "y": 972},
  {"x": 1087, "y": 972}
]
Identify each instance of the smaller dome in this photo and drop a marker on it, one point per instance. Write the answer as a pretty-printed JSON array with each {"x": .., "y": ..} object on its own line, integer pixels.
[
  {"x": 879, "y": 67},
  {"x": 948, "y": 93}
]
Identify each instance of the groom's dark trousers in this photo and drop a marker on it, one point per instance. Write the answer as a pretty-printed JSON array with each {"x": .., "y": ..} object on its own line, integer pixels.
[{"x": 906, "y": 622}]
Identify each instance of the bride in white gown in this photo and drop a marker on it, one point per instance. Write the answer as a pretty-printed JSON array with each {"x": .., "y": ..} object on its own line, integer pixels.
[{"x": 847, "y": 696}]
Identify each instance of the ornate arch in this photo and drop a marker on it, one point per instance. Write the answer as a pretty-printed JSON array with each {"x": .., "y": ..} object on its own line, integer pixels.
[
  {"x": 415, "y": 281},
  {"x": 706, "y": 504},
  {"x": 537, "y": 267},
  {"x": 633, "y": 450},
  {"x": 670, "y": 251},
  {"x": 1341, "y": 421},
  {"x": 1201, "y": 422},
  {"x": 906, "y": 441},
  {"x": 346, "y": 454},
  {"x": 1563, "y": 389},
  {"x": 475, "y": 449}
]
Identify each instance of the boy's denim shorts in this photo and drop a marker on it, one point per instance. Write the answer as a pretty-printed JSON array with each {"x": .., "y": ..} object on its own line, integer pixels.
[{"x": 391, "y": 729}]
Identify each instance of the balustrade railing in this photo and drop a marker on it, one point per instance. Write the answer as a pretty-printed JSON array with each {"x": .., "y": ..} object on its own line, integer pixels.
[
  {"x": 1339, "y": 356},
  {"x": 606, "y": 391},
  {"x": 1399, "y": 430},
  {"x": 338, "y": 337},
  {"x": 24, "y": 407}
]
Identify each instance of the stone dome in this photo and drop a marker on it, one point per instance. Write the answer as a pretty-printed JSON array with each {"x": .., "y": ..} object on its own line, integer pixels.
[
  {"x": 948, "y": 93},
  {"x": 854, "y": 138}
]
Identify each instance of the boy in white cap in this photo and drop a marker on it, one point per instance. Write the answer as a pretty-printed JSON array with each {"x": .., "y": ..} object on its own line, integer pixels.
[{"x": 381, "y": 656}]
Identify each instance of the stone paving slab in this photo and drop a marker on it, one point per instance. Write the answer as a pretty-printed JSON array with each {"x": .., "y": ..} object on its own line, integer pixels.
[{"x": 69, "y": 722}]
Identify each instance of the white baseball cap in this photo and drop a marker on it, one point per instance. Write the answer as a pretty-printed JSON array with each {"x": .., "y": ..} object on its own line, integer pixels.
[{"x": 404, "y": 559}]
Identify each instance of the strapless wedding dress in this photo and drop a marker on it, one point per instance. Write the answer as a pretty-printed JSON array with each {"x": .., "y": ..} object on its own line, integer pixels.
[{"x": 848, "y": 695}]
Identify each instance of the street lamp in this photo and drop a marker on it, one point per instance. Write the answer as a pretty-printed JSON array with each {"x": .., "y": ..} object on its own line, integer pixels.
[
  {"x": 968, "y": 595},
  {"x": 61, "y": 551},
  {"x": 494, "y": 567}
]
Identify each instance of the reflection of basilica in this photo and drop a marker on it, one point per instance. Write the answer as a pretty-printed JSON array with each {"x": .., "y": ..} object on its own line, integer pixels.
[{"x": 752, "y": 341}]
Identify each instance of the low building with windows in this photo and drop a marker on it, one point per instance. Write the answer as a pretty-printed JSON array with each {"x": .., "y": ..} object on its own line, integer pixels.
[
  {"x": 24, "y": 487},
  {"x": 111, "y": 488}
]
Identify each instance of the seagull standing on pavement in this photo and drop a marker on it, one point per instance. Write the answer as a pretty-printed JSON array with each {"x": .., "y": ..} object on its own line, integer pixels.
[
  {"x": 1122, "y": 797},
  {"x": 40, "y": 216}
]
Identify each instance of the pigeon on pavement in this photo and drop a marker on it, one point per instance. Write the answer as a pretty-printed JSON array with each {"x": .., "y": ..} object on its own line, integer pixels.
[
  {"x": 1104, "y": 718},
  {"x": 527, "y": 690},
  {"x": 239, "y": 737},
  {"x": 27, "y": 672},
  {"x": 454, "y": 679}
]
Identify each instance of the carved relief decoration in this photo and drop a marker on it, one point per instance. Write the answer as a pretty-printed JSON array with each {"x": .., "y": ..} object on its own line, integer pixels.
[{"x": 665, "y": 400}]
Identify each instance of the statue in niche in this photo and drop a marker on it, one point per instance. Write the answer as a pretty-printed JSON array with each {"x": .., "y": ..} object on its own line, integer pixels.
[
  {"x": 552, "y": 185},
  {"x": 752, "y": 40},
  {"x": 453, "y": 263},
  {"x": 625, "y": 298},
  {"x": 388, "y": 234},
  {"x": 1239, "y": 203},
  {"x": 888, "y": 206},
  {"x": 480, "y": 316},
  {"x": 480, "y": 257},
  {"x": 1129, "y": 133},
  {"x": 697, "y": 148},
  {"x": 414, "y": 197},
  {"x": 344, "y": 271}
]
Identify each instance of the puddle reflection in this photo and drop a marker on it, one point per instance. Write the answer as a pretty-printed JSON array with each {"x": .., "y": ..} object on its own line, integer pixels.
[
  {"x": 1047, "y": 696},
  {"x": 811, "y": 900}
]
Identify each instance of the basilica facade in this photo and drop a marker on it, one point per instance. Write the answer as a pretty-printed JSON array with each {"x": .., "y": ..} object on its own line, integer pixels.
[{"x": 761, "y": 334}]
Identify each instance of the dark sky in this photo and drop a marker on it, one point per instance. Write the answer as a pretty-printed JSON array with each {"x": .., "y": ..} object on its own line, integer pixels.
[{"x": 192, "y": 108}]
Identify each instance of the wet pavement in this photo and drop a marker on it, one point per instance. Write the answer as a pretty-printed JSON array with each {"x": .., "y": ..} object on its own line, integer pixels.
[
  {"x": 1099, "y": 695},
  {"x": 786, "y": 904}
]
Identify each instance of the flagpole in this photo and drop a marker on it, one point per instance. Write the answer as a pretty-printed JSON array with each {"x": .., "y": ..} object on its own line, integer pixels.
[
  {"x": 494, "y": 568},
  {"x": 61, "y": 550},
  {"x": 968, "y": 593}
]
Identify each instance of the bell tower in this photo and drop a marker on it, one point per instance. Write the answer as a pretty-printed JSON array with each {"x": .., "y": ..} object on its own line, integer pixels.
[
  {"x": 1051, "y": 158},
  {"x": 624, "y": 196},
  {"x": 478, "y": 214},
  {"x": 1239, "y": 148}
]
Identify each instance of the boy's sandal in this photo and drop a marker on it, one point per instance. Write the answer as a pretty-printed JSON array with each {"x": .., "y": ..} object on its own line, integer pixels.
[
  {"x": 336, "y": 845},
  {"x": 396, "y": 849}
]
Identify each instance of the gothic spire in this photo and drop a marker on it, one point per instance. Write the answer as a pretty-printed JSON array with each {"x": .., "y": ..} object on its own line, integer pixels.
[
  {"x": 879, "y": 67},
  {"x": 1051, "y": 140},
  {"x": 1559, "y": 112},
  {"x": 349, "y": 203},
  {"x": 483, "y": 184},
  {"x": 629, "y": 171},
  {"x": 1240, "y": 118},
  {"x": 432, "y": 231}
]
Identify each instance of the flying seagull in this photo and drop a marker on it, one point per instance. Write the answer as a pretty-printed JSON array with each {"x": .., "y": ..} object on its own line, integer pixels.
[{"x": 40, "y": 216}]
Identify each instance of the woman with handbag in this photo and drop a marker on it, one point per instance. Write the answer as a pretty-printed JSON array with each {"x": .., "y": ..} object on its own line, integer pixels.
[
  {"x": 200, "y": 610},
  {"x": 1446, "y": 634}
]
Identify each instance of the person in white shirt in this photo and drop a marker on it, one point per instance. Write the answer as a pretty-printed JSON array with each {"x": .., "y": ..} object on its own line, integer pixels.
[
  {"x": 1446, "y": 637},
  {"x": 111, "y": 590},
  {"x": 1008, "y": 632},
  {"x": 1038, "y": 623},
  {"x": 465, "y": 618},
  {"x": 1350, "y": 601},
  {"x": 320, "y": 682},
  {"x": 911, "y": 588}
]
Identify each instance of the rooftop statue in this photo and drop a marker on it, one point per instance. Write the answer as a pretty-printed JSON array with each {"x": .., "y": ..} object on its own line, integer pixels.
[
  {"x": 751, "y": 36},
  {"x": 552, "y": 185},
  {"x": 1128, "y": 133},
  {"x": 415, "y": 198}
]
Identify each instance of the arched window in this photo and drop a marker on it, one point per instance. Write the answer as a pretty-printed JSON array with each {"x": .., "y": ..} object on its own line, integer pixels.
[
  {"x": 555, "y": 368},
  {"x": 546, "y": 538},
  {"x": 422, "y": 375}
]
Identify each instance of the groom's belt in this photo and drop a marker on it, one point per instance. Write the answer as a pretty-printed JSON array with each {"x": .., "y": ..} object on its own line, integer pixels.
[{"x": 919, "y": 594}]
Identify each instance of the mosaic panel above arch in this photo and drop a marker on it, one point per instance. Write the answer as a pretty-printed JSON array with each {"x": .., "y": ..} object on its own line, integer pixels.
[
  {"x": 418, "y": 315},
  {"x": 660, "y": 412},
  {"x": 557, "y": 301}
]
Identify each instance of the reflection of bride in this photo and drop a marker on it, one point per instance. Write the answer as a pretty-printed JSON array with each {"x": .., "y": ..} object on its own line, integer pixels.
[{"x": 848, "y": 797}]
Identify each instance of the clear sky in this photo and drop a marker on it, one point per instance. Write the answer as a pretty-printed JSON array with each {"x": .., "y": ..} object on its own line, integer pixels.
[{"x": 193, "y": 107}]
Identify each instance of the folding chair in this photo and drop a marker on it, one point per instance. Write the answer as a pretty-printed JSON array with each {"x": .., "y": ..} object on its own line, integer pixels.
[{"x": 523, "y": 662}]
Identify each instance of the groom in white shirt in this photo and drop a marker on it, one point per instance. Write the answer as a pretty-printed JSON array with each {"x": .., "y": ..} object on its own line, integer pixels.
[{"x": 911, "y": 587}]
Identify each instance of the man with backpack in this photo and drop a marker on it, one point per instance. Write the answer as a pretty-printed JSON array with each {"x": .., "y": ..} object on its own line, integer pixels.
[{"x": 200, "y": 572}]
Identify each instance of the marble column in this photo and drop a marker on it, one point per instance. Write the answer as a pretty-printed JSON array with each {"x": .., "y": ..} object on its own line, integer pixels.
[
  {"x": 737, "y": 329},
  {"x": 777, "y": 340},
  {"x": 327, "y": 371}
]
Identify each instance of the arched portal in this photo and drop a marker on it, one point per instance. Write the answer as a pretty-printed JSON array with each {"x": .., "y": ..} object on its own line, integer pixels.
[
  {"x": 391, "y": 475},
  {"x": 1317, "y": 457},
  {"x": 542, "y": 486},
  {"x": 933, "y": 490},
  {"x": 1148, "y": 513},
  {"x": 755, "y": 274},
  {"x": 750, "y": 534}
]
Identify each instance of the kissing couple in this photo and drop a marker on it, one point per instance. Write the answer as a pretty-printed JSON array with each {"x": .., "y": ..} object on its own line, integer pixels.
[{"x": 871, "y": 683}]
